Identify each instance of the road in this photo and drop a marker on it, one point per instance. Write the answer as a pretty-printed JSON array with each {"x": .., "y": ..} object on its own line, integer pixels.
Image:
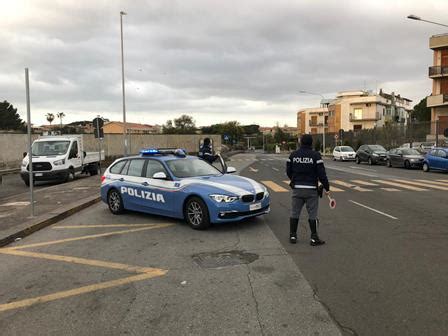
[{"x": 383, "y": 270}]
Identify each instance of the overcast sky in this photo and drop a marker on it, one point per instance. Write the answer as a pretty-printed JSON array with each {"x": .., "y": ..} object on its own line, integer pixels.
[{"x": 215, "y": 60}]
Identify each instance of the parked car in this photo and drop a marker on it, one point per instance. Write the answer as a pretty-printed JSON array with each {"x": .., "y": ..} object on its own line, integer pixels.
[
  {"x": 426, "y": 146},
  {"x": 404, "y": 157},
  {"x": 372, "y": 154},
  {"x": 436, "y": 159},
  {"x": 344, "y": 153}
]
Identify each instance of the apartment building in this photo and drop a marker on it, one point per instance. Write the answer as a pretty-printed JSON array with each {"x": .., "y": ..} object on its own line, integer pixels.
[
  {"x": 354, "y": 110},
  {"x": 438, "y": 100},
  {"x": 116, "y": 127}
]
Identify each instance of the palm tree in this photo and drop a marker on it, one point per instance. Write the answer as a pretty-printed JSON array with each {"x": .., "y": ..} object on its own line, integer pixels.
[
  {"x": 50, "y": 118},
  {"x": 60, "y": 115}
]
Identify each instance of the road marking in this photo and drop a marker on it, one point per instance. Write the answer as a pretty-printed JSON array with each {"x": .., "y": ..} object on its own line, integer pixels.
[
  {"x": 369, "y": 184},
  {"x": 371, "y": 170},
  {"x": 157, "y": 226},
  {"x": 16, "y": 204},
  {"x": 253, "y": 170},
  {"x": 390, "y": 189},
  {"x": 400, "y": 185},
  {"x": 435, "y": 182},
  {"x": 374, "y": 210},
  {"x": 276, "y": 169},
  {"x": 351, "y": 186},
  {"x": 353, "y": 171},
  {"x": 446, "y": 181},
  {"x": 274, "y": 186},
  {"x": 81, "y": 261},
  {"x": 421, "y": 184},
  {"x": 100, "y": 226},
  {"x": 80, "y": 290}
]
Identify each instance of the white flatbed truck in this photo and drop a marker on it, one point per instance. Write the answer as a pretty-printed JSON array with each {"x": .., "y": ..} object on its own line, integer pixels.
[{"x": 60, "y": 157}]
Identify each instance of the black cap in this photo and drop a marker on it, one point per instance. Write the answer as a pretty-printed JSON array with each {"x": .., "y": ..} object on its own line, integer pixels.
[{"x": 306, "y": 140}]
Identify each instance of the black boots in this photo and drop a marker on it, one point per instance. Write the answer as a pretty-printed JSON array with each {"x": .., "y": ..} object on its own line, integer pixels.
[
  {"x": 293, "y": 224},
  {"x": 314, "y": 241}
]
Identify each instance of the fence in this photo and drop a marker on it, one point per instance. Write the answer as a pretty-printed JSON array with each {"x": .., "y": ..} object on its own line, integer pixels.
[{"x": 389, "y": 136}]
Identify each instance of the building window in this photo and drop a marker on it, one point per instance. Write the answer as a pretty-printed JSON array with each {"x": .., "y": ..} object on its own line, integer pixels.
[
  {"x": 368, "y": 104},
  {"x": 357, "y": 127},
  {"x": 357, "y": 113}
]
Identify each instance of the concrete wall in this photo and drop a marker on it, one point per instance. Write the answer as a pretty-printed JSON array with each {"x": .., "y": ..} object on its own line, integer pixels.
[{"x": 12, "y": 146}]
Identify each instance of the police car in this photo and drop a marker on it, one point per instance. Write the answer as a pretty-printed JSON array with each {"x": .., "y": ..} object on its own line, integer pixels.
[{"x": 171, "y": 183}]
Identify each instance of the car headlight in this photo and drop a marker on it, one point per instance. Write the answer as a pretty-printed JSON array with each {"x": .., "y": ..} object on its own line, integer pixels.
[
  {"x": 59, "y": 162},
  {"x": 223, "y": 198},
  {"x": 375, "y": 154}
]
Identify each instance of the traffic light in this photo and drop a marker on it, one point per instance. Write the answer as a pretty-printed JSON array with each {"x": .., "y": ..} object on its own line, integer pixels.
[{"x": 98, "y": 124}]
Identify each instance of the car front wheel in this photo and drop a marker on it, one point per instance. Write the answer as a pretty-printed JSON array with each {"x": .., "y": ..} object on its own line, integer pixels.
[
  {"x": 425, "y": 167},
  {"x": 370, "y": 161},
  {"x": 407, "y": 164},
  {"x": 115, "y": 202},
  {"x": 357, "y": 160},
  {"x": 196, "y": 214},
  {"x": 388, "y": 163}
]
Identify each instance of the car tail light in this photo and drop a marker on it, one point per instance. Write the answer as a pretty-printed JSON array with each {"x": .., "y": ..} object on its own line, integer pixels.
[{"x": 103, "y": 178}]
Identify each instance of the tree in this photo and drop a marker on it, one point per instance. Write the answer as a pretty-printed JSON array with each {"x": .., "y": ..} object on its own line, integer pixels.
[
  {"x": 421, "y": 112},
  {"x": 9, "y": 118},
  {"x": 50, "y": 117},
  {"x": 183, "y": 125},
  {"x": 60, "y": 115}
]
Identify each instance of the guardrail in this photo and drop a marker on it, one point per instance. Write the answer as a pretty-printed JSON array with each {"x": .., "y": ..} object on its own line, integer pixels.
[{"x": 8, "y": 171}]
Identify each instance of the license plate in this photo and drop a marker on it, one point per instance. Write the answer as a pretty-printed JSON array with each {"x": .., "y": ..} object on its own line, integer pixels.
[
  {"x": 38, "y": 174},
  {"x": 255, "y": 206}
]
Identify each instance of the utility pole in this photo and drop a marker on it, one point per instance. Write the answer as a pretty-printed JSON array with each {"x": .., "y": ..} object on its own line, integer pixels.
[
  {"x": 125, "y": 132},
  {"x": 30, "y": 150}
]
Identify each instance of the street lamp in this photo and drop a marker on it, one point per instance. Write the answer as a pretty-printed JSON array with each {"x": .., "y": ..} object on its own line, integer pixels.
[
  {"x": 418, "y": 18},
  {"x": 125, "y": 133},
  {"x": 323, "y": 128}
]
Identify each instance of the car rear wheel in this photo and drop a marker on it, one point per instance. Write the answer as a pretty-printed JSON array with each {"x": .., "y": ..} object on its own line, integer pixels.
[
  {"x": 407, "y": 164},
  {"x": 388, "y": 163},
  {"x": 425, "y": 167},
  {"x": 357, "y": 160},
  {"x": 196, "y": 214},
  {"x": 115, "y": 202}
]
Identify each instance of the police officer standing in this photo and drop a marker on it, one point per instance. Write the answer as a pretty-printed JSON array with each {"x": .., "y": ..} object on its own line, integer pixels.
[
  {"x": 206, "y": 153},
  {"x": 305, "y": 168}
]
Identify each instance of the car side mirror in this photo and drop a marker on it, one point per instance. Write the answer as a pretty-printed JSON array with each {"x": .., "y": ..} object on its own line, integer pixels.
[
  {"x": 159, "y": 176},
  {"x": 231, "y": 170}
]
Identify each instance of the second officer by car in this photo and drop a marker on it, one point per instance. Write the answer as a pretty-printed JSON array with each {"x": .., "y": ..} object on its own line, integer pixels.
[{"x": 305, "y": 168}]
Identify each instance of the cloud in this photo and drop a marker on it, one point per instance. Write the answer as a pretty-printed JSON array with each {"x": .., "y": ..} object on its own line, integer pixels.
[{"x": 215, "y": 60}]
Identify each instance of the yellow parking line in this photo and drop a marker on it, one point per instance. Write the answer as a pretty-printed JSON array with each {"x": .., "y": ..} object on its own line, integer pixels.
[
  {"x": 158, "y": 226},
  {"x": 274, "y": 186},
  {"x": 80, "y": 290},
  {"x": 101, "y": 226},
  {"x": 389, "y": 189},
  {"x": 369, "y": 184},
  {"x": 351, "y": 186},
  {"x": 400, "y": 185},
  {"x": 435, "y": 182},
  {"x": 421, "y": 184},
  {"x": 82, "y": 261}
]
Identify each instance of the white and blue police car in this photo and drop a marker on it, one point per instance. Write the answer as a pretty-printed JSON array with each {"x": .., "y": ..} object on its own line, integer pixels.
[{"x": 173, "y": 184}]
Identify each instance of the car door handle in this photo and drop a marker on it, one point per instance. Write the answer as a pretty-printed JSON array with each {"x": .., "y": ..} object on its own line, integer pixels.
[
  {"x": 121, "y": 179},
  {"x": 145, "y": 184}
]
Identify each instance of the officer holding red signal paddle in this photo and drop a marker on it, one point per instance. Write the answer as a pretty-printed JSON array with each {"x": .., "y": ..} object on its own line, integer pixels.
[{"x": 305, "y": 168}]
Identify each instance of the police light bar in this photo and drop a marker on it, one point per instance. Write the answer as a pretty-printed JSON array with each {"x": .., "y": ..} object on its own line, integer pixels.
[
  {"x": 149, "y": 151},
  {"x": 163, "y": 151}
]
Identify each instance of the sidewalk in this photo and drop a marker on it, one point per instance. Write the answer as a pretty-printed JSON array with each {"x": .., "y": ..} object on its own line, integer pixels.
[{"x": 50, "y": 203}]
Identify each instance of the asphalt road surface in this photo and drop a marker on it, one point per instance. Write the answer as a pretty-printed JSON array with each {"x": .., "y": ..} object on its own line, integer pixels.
[{"x": 384, "y": 268}]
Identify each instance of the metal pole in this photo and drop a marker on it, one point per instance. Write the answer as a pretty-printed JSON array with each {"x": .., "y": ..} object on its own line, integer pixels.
[
  {"x": 437, "y": 133},
  {"x": 99, "y": 141},
  {"x": 125, "y": 135},
  {"x": 30, "y": 153}
]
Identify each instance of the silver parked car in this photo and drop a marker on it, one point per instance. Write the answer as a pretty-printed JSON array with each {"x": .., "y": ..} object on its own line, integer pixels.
[{"x": 405, "y": 157}]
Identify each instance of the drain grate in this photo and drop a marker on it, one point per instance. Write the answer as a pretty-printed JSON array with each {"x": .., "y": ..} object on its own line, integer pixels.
[{"x": 224, "y": 258}]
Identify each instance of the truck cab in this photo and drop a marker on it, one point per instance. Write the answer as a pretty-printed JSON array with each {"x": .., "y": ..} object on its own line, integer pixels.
[{"x": 59, "y": 158}]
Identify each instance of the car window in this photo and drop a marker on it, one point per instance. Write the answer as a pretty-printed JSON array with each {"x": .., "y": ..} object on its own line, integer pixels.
[
  {"x": 393, "y": 151},
  {"x": 136, "y": 167},
  {"x": 74, "y": 150},
  {"x": 190, "y": 168},
  {"x": 347, "y": 149},
  {"x": 377, "y": 148},
  {"x": 433, "y": 153},
  {"x": 441, "y": 153},
  {"x": 362, "y": 148},
  {"x": 410, "y": 151},
  {"x": 336, "y": 149},
  {"x": 116, "y": 168},
  {"x": 154, "y": 166}
]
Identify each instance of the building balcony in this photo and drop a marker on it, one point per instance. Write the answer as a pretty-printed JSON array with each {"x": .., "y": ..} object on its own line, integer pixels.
[
  {"x": 375, "y": 117},
  {"x": 438, "y": 71},
  {"x": 317, "y": 123},
  {"x": 438, "y": 41},
  {"x": 437, "y": 100}
]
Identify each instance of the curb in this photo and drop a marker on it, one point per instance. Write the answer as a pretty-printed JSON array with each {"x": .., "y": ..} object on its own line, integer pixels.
[{"x": 49, "y": 218}]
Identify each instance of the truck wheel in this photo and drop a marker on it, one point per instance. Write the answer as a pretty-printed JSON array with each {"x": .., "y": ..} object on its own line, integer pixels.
[
  {"x": 196, "y": 214},
  {"x": 115, "y": 202},
  {"x": 70, "y": 176}
]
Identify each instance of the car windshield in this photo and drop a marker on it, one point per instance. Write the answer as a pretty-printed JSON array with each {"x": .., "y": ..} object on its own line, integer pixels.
[
  {"x": 44, "y": 148},
  {"x": 346, "y": 149},
  {"x": 410, "y": 152},
  {"x": 191, "y": 168},
  {"x": 377, "y": 148}
]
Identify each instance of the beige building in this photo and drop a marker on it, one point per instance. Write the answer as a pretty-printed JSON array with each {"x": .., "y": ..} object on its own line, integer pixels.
[
  {"x": 438, "y": 100},
  {"x": 354, "y": 110},
  {"x": 116, "y": 127}
]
